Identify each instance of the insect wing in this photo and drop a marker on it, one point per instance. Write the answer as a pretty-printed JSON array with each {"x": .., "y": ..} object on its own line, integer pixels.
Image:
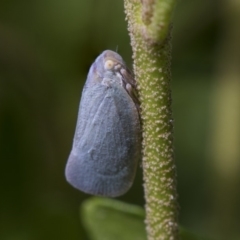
[{"x": 107, "y": 144}]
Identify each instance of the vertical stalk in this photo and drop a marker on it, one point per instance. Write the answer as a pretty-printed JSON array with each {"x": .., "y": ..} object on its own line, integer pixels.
[{"x": 148, "y": 25}]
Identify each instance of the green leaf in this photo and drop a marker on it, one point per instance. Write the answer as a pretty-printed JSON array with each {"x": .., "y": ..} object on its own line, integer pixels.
[{"x": 108, "y": 219}]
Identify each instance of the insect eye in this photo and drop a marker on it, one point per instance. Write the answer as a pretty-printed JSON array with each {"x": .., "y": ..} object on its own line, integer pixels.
[{"x": 108, "y": 64}]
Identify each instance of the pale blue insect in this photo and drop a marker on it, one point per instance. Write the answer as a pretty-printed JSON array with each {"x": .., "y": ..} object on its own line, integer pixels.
[{"x": 107, "y": 142}]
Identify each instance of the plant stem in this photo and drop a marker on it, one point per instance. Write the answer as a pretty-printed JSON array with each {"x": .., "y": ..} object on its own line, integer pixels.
[{"x": 150, "y": 39}]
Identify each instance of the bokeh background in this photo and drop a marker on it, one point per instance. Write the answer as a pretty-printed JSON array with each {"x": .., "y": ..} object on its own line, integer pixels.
[{"x": 46, "y": 49}]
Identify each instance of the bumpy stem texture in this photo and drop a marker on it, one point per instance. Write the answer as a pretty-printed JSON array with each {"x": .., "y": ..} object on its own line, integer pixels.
[{"x": 150, "y": 40}]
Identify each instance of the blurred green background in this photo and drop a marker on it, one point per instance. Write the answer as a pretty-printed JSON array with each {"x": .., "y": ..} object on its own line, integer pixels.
[{"x": 46, "y": 49}]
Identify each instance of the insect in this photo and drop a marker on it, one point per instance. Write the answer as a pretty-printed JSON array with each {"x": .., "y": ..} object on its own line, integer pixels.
[{"x": 107, "y": 141}]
